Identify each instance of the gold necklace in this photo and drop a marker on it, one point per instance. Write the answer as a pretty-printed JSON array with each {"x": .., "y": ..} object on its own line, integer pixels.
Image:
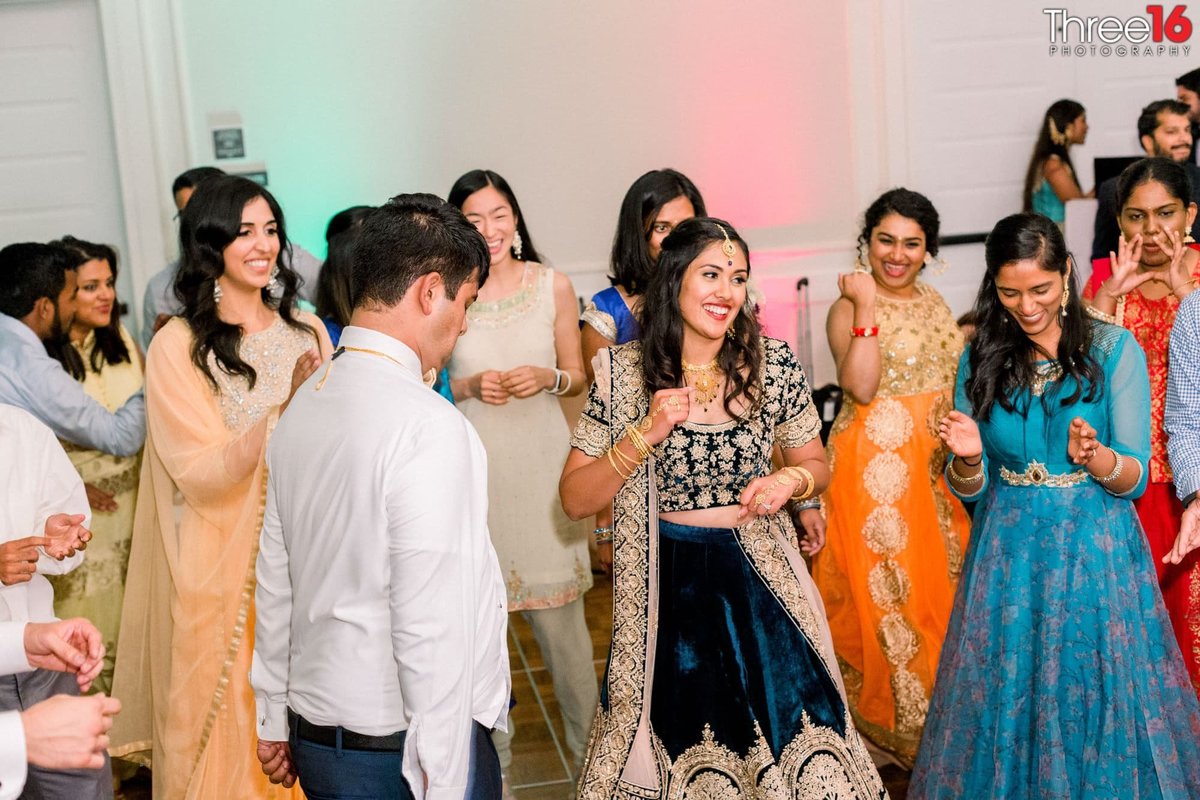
[
  {"x": 426, "y": 378},
  {"x": 705, "y": 380}
]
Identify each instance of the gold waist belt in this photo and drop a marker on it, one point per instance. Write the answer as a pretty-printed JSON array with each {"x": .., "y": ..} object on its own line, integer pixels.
[{"x": 1036, "y": 474}]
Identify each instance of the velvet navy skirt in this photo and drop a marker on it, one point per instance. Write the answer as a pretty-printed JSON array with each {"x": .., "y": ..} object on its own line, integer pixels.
[{"x": 729, "y": 658}]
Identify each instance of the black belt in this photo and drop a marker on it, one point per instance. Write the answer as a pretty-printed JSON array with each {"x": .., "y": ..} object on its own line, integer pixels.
[{"x": 327, "y": 735}]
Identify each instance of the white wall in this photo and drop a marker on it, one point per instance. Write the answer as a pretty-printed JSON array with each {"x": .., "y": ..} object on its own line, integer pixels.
[
  {"x": 57, "y": 154},
  {"x": 790, "y": 116}
]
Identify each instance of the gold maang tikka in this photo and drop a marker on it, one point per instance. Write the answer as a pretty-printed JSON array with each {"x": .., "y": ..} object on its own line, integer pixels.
[{"x": 727, "y": 248}]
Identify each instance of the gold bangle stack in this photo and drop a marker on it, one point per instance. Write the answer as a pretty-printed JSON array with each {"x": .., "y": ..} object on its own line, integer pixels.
[
  {"x": 613, "y": 462},
  {"x": 639, "y": 441},
  {"x": 797, "y": 474}
]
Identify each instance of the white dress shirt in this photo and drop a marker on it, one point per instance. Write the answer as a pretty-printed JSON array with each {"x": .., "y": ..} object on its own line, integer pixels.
[
  {"x": 38, "y": 481},
  {"x": 380, "y": 604}
]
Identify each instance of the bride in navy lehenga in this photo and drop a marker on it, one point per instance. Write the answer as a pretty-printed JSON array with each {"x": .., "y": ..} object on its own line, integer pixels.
[{"x": 721, "y": 681}]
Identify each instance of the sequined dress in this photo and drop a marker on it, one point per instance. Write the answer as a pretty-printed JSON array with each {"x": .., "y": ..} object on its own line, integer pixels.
[
  {"x": 896, "y": 536},
  {"x": 187, "y": 628},
  {"x": 1059, "y": 676}
]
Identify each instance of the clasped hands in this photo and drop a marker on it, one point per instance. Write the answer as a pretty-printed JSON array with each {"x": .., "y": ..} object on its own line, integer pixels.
[
  {"x": 496, "y": 387},
  {"x": 64, "y": 534}
]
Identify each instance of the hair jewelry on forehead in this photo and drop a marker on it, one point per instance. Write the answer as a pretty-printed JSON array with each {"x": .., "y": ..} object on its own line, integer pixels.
[{"x": 727, "y": 248}]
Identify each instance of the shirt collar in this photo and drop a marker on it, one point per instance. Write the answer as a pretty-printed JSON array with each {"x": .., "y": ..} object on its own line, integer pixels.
[
  {"x": 354, "y": 336},
  {"x": 18, "y": 328}
]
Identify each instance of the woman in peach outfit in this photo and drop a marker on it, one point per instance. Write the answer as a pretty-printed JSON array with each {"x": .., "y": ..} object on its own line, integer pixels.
[{"x": 217, "y": 379}]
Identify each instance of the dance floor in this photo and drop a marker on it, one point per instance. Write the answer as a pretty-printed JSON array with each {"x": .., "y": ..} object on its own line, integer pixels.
[{"x": 541, "y": 764}]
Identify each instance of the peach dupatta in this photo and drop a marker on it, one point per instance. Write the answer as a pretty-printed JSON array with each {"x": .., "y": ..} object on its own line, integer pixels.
[{"x": 187, "y": 627}]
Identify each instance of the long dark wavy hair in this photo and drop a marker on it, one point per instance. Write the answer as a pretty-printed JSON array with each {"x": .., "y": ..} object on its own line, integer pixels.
[
  {"x": 631, "y": 263},
  {"x": 740, "y": 357},
  {"x": 210, "y": 223},
  {"x": 1062, "y": 113},
  {"x": 477, "y": 179},
  {"x": 110, "y": 347},
  {"x": 1002, "y": 357}
]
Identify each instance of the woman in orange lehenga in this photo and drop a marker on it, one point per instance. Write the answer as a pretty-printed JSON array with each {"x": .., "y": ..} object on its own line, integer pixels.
[
  {"x": 1154, "y": 270},
  {"x": 896, "y": 536},
  {"x": 217, "y": 380}
]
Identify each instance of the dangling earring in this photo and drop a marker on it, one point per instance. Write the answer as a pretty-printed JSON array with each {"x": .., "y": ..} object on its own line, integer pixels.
[
  {"x": 729, "y": 333},
  {"x": 517, "y": 244},
  {"x": 273, "y": 284},
  {"x": 860, "y": 262},
  {"x": 1066, "y": 296},
  {"x": 216, "y": 292}
]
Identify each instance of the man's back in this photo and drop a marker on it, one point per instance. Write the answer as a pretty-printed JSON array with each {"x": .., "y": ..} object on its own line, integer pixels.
[{"x": 376, "y": 532}]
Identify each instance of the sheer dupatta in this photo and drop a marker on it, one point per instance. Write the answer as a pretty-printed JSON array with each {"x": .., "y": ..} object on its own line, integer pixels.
[{"x": 187, "y": 627}]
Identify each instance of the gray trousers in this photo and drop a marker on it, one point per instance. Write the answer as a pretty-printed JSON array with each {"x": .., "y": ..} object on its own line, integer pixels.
[
  {"x": 19, "y": 692},
  {"x": 566, "y": 646}
]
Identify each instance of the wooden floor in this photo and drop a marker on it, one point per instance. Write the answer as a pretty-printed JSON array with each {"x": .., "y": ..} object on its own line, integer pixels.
[{"x": 541, "y": 764}]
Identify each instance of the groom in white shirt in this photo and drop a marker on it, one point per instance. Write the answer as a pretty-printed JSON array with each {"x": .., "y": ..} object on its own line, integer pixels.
[{"x": 380, "y": 663}]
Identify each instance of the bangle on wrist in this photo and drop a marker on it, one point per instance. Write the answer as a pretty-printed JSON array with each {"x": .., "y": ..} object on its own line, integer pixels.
[
  {"x": 1116, "y": 470},
  {"x": 978, "y": 460},
  {"x": 558, "y": 388},
  {"x": 604, "y": 535},
  {"x": 1184, "y": 285},
  {"x": 864, "y": 332},
  {"x": 805, "y": 505}
]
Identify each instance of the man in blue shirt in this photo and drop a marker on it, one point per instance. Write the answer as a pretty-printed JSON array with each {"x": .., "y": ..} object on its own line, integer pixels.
[{"x": 37, "y": 302}]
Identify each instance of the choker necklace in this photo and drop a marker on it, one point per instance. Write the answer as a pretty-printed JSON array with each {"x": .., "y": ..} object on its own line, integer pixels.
[{"x": 705, "y": 380}]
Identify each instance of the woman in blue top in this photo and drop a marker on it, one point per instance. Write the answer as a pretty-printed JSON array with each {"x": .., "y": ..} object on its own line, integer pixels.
[
  {"x": 653, "y": 206},
  {"x": 1059, "y": 676},
  {"x": 1050, "y": 179}
]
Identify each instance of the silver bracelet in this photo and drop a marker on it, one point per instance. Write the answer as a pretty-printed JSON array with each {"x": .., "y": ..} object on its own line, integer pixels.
[
  {"x": 1116, "y": 470},
  {"x": 805, "y": 505}
]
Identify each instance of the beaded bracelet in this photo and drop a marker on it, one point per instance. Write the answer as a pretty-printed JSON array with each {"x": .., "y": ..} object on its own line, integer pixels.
[{"x": 864, "y": 333}]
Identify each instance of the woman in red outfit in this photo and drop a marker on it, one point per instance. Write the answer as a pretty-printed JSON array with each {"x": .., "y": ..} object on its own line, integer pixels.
[{"x": 1140, "y": 287}]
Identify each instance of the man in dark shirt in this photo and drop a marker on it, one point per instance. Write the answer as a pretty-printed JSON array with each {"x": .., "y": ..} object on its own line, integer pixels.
[{"x": 1164, "y": 130}]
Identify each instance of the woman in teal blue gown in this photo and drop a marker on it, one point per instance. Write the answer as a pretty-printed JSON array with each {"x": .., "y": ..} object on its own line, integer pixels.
[{"x": 1060, "y": 676}]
